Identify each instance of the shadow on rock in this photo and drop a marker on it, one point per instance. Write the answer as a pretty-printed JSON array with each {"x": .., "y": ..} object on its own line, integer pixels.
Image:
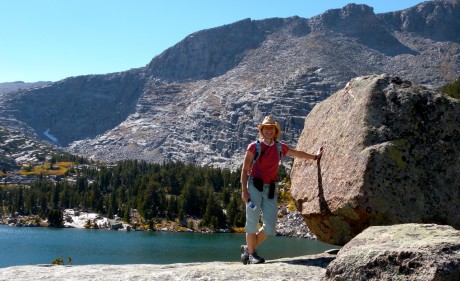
[{"x": 319, "y": 262}]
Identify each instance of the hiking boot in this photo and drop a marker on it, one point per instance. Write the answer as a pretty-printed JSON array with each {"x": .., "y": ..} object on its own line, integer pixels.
[
  {"x": 244, "y": 254},
  {"x": 255, "y": 258}
]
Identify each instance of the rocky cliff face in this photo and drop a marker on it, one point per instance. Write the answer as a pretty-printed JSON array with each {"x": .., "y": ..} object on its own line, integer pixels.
[
  {"x": 78, "y": 107},
  {"x": 200, "y": 100},
  {"x": 392, "y": 157}
]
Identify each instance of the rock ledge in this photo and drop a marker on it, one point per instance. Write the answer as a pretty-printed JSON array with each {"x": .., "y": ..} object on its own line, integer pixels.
[{"x": 311, "y": 267}]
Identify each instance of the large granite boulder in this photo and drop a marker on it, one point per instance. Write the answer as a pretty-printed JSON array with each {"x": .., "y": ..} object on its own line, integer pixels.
[
  {"x": 400, "y": 252},
  {"x": 392, "y": 156}
]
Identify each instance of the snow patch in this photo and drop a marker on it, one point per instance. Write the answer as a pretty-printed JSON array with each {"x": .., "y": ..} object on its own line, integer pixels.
[{"x": 50, "y": 136}]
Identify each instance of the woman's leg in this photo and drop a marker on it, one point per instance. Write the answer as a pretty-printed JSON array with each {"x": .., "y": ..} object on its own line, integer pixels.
[
  {"x": 270, "y": 213},
  {"x": 260, "y": 237},
  {"x": 254, "y": 236},
  {"x": 253, "y": 240}
]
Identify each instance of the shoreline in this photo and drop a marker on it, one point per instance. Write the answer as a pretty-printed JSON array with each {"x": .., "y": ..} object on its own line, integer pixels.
[
  {"x": 88, "y": 220},
  {"x": 290, "y": 224}
]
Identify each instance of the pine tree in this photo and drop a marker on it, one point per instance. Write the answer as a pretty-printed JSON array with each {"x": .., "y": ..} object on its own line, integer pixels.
[
  {"x": 213, "y": 217},
  {"x": 55, "y": 217}
]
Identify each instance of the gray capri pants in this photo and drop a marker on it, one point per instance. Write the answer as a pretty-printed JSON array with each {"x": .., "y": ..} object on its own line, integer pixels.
[{"x": 267, "y": 206}]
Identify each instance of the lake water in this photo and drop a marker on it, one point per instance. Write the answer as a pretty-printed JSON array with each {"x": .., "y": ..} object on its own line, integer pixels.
[{"x": 36, "y": 245}]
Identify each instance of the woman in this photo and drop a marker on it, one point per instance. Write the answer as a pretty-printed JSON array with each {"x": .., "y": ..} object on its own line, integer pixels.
[{"x": 258, "y": 177}]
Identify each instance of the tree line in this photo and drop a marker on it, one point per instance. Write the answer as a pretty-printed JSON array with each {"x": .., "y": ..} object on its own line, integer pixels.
[{"x": 171, "y": 190}]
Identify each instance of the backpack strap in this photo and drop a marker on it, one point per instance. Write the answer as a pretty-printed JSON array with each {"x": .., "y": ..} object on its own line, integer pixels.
[
  {"x": 258, "y": 151},
  {"x": 280, "y": 150}
]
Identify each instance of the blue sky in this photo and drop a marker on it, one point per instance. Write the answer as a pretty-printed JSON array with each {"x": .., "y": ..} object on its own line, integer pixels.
[{"x": 49, "y": 40}]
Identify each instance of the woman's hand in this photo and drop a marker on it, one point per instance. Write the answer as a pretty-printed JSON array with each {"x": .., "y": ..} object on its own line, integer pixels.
[
  {"x": 245, "y": 195},
  {"x": 319, "y": 154}
]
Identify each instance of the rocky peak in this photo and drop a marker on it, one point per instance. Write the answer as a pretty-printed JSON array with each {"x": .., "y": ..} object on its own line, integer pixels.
[
  {"x": 207, "y": 53},
  {"x": 437, "y": 19},
  {"x": 212, "y": 52},
  {"x": 347, "y": 18},
  {"x": 360, "y": 22},
  {"x": 356, "y": 10},
  {"x": 349, "y": 12}
]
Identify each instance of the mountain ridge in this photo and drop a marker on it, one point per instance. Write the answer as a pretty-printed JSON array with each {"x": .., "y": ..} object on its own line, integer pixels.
[{"x": 200, "y": 100}]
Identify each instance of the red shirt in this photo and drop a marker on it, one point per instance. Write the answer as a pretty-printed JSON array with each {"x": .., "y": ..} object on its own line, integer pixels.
[{"x": 266, "y": 165}]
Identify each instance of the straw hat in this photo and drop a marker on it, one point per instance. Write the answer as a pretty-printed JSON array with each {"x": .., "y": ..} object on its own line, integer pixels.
[{"x": 270, "y": 121}]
